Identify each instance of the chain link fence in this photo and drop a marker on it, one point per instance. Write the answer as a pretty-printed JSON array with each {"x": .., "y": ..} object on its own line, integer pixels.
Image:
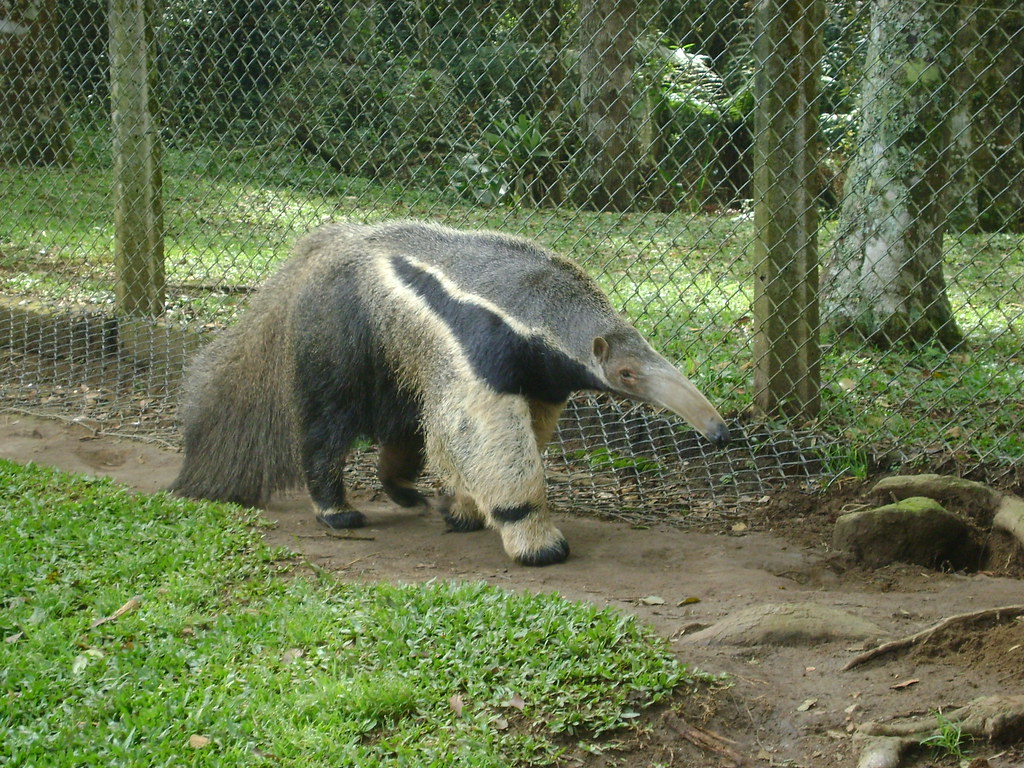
[{"x": 647, "y": 140}]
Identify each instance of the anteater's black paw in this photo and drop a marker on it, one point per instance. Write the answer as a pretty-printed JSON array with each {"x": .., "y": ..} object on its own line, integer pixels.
[
  {"x": 455, "y": 523},
  {"x": 339, "y": 520},
  {"x": 405, "y": 497},
  {"x": 550, "y": 555}
]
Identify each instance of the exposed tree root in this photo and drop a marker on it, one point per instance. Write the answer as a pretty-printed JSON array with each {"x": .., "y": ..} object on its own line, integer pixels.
[
  {"x": 991, "y": 718},
  {"x": 883, "y": 751},
  {"x": 709, "y": 741},
  {"x": 995, "y": 615},
  {"x": 997, "y": 719},
  {"x": 1010, "y": 517},
  {"x": 1007, "y": 509}
]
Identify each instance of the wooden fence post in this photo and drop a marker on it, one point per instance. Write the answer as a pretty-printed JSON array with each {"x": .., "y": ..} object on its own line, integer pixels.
[
  {"x": 787, "y": 375},
  {"x": 138, "y": 205}
]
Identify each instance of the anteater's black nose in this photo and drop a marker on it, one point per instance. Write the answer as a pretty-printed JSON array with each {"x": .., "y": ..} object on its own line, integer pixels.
[{"x": 719, "y": 436}]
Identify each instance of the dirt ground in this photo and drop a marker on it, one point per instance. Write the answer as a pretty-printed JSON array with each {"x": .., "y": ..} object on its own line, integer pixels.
[{"x": 785, "y": 705}]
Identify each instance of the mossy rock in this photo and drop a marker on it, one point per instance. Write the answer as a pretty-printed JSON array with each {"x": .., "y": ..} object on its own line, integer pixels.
[{"x": 914, "y": 530}]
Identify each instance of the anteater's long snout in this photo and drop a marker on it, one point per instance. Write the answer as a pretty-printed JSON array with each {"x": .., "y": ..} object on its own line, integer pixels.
[{"x": 668, "y": 388}]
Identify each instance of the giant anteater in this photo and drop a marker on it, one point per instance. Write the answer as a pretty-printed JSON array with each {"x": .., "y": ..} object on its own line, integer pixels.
[{"x": 457, "y": 348}]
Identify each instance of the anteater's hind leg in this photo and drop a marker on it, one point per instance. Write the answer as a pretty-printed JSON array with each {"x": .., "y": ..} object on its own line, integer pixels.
[
  {"x": 327, "y": 440},
  {"x": 399, "y": 466},
  {"x": 490, "y": 452}
]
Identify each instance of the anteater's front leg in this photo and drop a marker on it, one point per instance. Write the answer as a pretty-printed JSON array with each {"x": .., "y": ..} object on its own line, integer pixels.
[{"x": 489, "y": 451}]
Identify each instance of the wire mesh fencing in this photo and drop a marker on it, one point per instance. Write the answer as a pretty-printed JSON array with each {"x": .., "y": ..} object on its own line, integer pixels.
[{"x": 159, "y": 158}]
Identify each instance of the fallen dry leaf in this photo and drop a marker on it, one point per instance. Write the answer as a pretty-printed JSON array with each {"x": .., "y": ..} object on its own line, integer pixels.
[
  {"x": 652, "y": 600},
  {"x": 128, "y": 607},
  {"x": 905, "y": 684},
  {"x": 195, "y": 741},
  {"x": 517, "y": 701},
  {"x": 456, "y": 703}
]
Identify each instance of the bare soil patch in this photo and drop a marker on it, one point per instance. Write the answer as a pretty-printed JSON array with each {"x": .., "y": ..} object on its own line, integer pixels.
[{"x": 782, "y": 706}]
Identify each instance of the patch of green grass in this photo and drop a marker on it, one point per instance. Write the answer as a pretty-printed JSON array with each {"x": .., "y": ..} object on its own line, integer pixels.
[
  {"x": 266, "y": 666},
  {"x": 842, "y": 458},
  {"x": 967, "y": 400},
  {"x": 949, "y": 739}
]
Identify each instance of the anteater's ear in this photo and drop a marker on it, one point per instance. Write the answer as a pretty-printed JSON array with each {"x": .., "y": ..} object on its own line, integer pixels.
[{"x": 601, "y": 348}]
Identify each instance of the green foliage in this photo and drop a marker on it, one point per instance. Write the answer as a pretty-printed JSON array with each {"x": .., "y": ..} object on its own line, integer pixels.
[
  {"x": 279, "y": 669},
  {"x": 949, "y": 739},
  {"x": 502, "y": 78},
  {"x": 845, "y": 459},
  {"x": 604, "y": 459},
  {"x": 697, "y": 117},
  {"x": 381, "y": 118},
  {"x": 515, "y": 155},
  {"x": 479, "y": 180},
  {"x": 393, "y": 88}
]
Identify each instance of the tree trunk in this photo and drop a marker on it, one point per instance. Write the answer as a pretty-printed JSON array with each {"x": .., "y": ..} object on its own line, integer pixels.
[
  {"x": 543, "y": 22},
  {"x": 963, "y": 119},
  {"x": 610, "y": 168},
  {"x": 1000, "y": 160},
  {"x": 33, "y": 128},
  {"x": 885, "y": 280}
]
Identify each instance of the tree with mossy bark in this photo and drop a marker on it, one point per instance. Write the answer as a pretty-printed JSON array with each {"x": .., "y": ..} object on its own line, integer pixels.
[
  {"x": 609, "y": 175},
  {"x": 884, "y": 280},
  {"x": 33, "y": 126}
]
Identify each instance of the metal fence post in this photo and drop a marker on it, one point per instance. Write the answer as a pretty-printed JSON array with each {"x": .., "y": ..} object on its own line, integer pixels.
[
  {"x": 786, "y": 350},
  {"x": 138, "y": 205}
]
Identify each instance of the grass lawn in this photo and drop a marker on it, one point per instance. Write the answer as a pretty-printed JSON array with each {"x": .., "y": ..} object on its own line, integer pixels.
[{"x": 147, "y": 630}]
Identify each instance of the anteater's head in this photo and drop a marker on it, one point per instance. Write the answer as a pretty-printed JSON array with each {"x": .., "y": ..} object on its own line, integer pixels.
[{"x": 629, "y": 366}]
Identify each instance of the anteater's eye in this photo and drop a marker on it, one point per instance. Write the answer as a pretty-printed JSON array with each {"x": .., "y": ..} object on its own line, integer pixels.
[{"x": 627, "y": 375}]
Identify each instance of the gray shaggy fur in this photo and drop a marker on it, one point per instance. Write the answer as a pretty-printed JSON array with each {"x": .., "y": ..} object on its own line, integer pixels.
[{"x": 237, "y": 406}]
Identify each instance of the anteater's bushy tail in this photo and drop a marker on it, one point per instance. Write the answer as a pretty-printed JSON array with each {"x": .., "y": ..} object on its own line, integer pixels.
[{"x": 237, "y": 408}]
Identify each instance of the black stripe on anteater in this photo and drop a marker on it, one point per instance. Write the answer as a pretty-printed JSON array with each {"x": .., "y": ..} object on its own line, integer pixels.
[
  {"x": 513, "y": 514},
  {"x": 509, "y": 362}
]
